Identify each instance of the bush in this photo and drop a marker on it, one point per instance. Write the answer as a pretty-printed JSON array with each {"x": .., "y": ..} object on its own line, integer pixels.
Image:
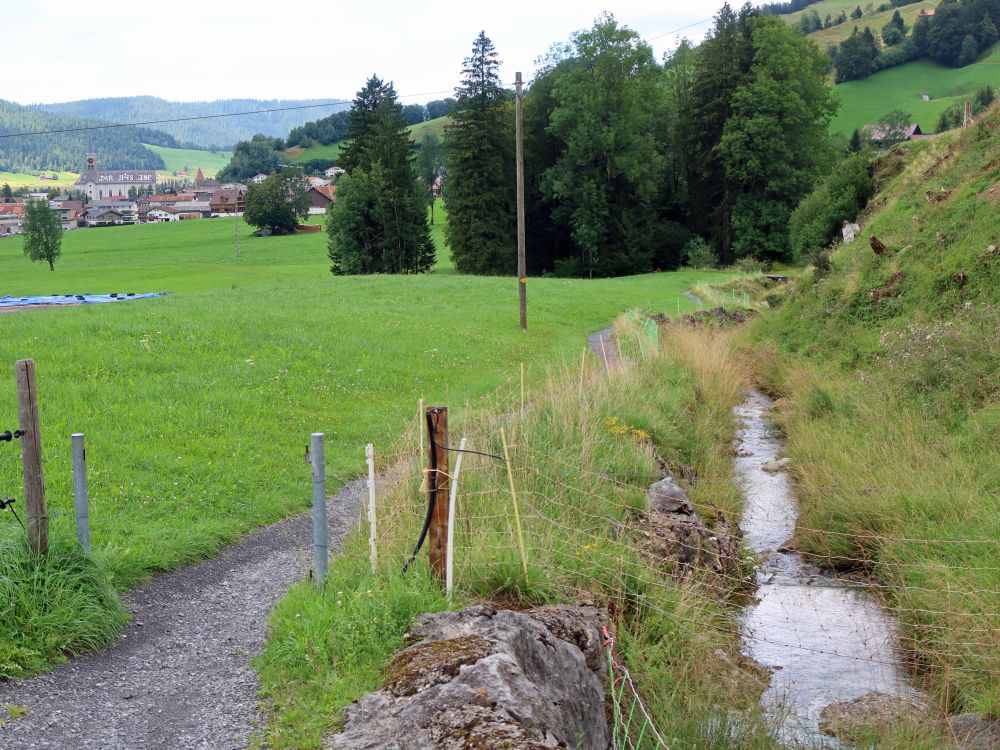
[
  {"x": 840, "y": 197},
  {"x": 699, "y": 254},
  {"x": 750, "y": 265}
]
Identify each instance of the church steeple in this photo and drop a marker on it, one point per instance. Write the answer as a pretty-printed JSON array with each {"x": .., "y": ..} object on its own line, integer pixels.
[{"x": 91, "y": 160}]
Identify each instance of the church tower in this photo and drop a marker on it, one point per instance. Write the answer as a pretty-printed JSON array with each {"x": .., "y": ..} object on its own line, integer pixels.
[{"x": 91, "y": 160}]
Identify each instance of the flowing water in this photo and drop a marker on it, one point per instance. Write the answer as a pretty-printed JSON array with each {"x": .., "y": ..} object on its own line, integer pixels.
[{"x": 825, "y": 640}]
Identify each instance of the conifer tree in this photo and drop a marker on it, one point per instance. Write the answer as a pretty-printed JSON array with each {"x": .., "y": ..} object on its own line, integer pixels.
[
  {"x": 481, "y": 197},
  {"x": 378, "y": 223}
]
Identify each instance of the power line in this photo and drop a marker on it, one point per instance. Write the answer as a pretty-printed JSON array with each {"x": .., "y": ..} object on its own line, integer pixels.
[
  {"x": 677, "y": 31},
  {"x": 108, "y": 126}
]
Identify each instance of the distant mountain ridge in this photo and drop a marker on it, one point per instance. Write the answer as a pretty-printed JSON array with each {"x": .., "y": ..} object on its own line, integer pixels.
[
  {"x": 117, "y": 148},
  {"x": 219, "y": 133}
]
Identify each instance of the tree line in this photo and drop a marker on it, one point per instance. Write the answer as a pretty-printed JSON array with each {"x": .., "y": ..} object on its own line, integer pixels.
[{"x": 630, "y": 163}]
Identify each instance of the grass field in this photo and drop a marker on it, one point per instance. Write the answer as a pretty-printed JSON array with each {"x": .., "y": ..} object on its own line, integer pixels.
[
  {"x": 864, "y": 102},
  {"x": 20, "y": 179},
  {"x": 177, "y": 159},
  {"x": 301, "y": 155},
  {"x": 196, "y": 405}
]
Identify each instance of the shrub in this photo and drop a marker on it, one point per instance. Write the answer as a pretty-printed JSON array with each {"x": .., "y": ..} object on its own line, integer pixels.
[
  {"x": 700, "y": 254},
  {"x": 840, "y": 197}
]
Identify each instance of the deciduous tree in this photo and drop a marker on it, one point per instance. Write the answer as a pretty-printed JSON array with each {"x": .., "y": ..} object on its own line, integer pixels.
[
  {"x": 278, "y": 203},
  {"x": 42, "y": 232}
]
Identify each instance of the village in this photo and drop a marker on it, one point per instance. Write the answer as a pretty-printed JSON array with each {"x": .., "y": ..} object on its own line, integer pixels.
[{"x": 103, "y": 198}]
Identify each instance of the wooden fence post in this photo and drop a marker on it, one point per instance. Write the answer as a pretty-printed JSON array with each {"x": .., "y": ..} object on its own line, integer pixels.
[
  {"x": 31, "y": 455},
  {"x": 438, "y": 485}
]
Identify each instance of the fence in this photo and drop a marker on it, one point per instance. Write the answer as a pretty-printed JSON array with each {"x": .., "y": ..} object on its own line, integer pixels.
[
  {"x": 533, "y": 516},
  {"x": 29, "y": 436}
]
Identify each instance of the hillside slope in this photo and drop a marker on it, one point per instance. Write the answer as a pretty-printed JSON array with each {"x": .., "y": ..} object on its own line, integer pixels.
[
  {"x": 864, "y": 102},
  {"x": 117, "y": 148},
  {"x": 217, "y": 133},
  {"x": 891, "y": 363}
]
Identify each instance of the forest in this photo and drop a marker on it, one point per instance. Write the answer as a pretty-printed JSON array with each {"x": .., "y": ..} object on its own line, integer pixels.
[
  {"x": 117, "y": 148},
  {"x": 215, "y": 134}
]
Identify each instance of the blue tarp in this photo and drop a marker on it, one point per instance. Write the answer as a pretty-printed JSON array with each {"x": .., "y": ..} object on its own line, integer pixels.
[{"x": 74, "y": 299}]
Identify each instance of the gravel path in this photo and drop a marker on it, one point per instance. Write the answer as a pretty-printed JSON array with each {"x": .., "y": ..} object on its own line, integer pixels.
[
  {"x": 604, "y": 346},
  {"x": 181, "y": 675}
]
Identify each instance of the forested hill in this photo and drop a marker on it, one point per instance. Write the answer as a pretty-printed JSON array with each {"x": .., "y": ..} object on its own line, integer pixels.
[
  {"x": 218, "y": 133},
  {"x": 117, "y": 148}
]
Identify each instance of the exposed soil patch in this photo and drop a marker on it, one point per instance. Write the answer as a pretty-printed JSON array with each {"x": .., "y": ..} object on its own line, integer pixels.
[{"x": 991, "y": 194}]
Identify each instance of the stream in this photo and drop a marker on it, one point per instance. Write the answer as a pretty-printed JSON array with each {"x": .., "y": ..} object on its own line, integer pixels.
[{"x": 824, "y": 639}]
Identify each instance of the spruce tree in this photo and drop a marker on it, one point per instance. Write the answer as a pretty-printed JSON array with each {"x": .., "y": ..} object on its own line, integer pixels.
[
  {"x": 481, "y": 197},
  {"x": 379, "y": 222}
]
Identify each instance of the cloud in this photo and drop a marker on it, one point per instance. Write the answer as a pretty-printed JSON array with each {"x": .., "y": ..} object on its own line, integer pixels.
[{"x": 326, "y": 49}]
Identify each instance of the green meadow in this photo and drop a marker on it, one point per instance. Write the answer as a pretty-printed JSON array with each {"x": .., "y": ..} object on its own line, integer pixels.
[
  {"x": 190, "y": 160},
  {"x": 197, "y": 406},
  {"x": 864, "y": 102}
]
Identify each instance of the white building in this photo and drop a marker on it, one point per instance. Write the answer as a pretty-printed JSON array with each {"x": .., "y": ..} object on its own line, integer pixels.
[{"x": 101, "y": 184}]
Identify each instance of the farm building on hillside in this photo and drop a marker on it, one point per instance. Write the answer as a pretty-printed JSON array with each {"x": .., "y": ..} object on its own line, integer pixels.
[
  {"x": 885, "y": 133},
  {"x": 258, "y": 178},
  {"x": 321, "y": 196},
  {"x": 333, "y": 172}
]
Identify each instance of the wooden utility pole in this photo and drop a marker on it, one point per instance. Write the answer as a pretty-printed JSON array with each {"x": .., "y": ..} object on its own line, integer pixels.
[
  {"x": 31, "y": 456},
  {"x": 438, "y": 486},
  {"x": 522, "y": 278}
]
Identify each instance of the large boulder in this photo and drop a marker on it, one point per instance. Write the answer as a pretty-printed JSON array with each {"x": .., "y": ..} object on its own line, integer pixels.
[{"x": 492, "y": 678}]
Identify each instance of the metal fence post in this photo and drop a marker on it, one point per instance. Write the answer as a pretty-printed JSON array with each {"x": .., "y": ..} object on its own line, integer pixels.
[
  {"x": 320, "y": 551},
  {"x": 80, "y": 491}
]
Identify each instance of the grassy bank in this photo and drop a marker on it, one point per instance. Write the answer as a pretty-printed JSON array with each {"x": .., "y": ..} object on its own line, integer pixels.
[
  {"x": 196, "y": 406},
  {"x": 582, "y": 455}
]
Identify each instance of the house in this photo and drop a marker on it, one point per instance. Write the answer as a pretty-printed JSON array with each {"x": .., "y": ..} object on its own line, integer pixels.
[
  {"x": 162, "y": 213},
  {"x": 166, "y": 199},
  {"x": 10, "y": 218},
  {"x": 106, "y": 213},
  {"x": 333, "y": 172},
  {"x": 226, "y": 201},
  {"x": 69, "y": 212},
  {"x": 321, "y": 196},
  {"x": 317, "y": 182},
  {"x": 192, "y": 210},
  {"x": 258, "y": 178},
  {"x": 884, "y": 133}
]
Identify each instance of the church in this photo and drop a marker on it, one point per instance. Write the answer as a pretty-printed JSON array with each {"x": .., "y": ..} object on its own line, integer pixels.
[{"x": 103, "y": 184}]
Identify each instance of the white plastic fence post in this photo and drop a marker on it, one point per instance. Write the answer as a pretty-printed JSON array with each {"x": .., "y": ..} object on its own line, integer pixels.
[
  {"x": 449, "y": 579},
  {"x": 372, "y": 534}
]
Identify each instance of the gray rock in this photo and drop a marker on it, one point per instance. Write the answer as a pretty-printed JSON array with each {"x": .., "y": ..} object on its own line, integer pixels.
[
  {"x": 850, "y": 720},
  {"x": 488, "y": 678},
  {"x": 975, "y": 731},
  {"x": 773, "y": 467},
  {"x": 667, "y": 496}
]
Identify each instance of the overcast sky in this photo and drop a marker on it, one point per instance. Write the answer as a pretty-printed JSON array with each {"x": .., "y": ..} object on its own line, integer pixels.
[{"x": 61, "y": 50}]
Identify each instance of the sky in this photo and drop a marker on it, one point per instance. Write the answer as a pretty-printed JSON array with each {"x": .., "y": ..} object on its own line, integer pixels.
[{"x": 310, "y": 49}]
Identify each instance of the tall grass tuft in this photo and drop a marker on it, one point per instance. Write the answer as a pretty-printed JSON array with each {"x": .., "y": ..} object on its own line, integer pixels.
[{"x": 52, "y": 606}]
